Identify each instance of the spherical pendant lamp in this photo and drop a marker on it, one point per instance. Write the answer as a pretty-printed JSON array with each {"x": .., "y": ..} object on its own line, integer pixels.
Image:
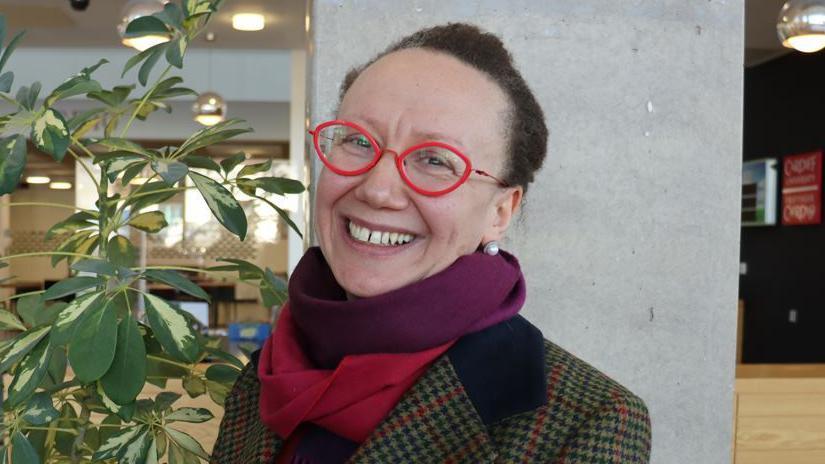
[
  {"x": 801, "y": 25},
  {"x": 209, "y": 108}
]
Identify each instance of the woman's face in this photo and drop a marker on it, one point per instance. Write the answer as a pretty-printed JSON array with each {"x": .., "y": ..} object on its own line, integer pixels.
[{"x": 405, "y": 98}]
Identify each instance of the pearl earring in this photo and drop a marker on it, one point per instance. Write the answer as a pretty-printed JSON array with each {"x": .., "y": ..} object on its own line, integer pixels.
[{"x": 491, "y": 248}]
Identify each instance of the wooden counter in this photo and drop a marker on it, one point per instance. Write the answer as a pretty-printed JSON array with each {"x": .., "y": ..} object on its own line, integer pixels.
[{"x": 779, "y": 414}]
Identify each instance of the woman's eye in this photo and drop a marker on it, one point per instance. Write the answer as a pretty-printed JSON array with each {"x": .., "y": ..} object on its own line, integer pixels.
[{"x": 358, "y": 140}]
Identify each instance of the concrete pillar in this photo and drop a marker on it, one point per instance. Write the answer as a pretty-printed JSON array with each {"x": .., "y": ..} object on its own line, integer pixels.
[{"x": 629, "y": 239}]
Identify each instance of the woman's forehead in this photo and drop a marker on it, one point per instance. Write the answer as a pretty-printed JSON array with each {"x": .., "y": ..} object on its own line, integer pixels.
[{"x": 432, "y": 93}]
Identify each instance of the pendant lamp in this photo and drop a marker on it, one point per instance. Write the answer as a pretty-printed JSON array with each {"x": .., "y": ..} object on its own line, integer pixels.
[
  {"x": 801, "y": 25},
  {"x": 209, "y": 108},
  {"x": 135, "y": 9}
]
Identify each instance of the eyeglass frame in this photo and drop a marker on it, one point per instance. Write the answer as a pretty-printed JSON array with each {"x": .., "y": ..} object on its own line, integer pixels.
[{"x": 399, "y": 158}]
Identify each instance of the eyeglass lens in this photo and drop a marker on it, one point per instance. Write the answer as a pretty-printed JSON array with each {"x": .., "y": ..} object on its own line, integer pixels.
[{"x": 432, "y": 168}]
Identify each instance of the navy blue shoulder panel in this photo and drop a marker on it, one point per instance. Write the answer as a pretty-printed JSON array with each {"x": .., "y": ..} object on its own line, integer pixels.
[{"x": 502, "y": 369}]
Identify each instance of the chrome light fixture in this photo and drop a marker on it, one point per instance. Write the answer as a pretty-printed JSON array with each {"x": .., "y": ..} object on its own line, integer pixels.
[
  {"x": 209, "y": 108},
  {"x": 801, "y": 25},
  {"x": 136, "y": 9}
]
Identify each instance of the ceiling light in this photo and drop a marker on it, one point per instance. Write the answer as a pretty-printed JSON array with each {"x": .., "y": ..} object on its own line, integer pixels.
[
  {"x": 37, "y": 180},
  {"x": 801, "y": 25},
  {"x": 60, "y": 185},
  {"x": 209, "y": 108},
  {"x": 136, "y": 9},
  {"x": 248, "y": 21}
]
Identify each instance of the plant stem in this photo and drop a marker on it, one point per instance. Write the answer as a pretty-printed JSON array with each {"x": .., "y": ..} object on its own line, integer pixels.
[
  {"x": 73, "y": 432},
  {"x": 44, "y": 253},
  {"x": 41, "y": 203},
  {"x": 21, "y": 295},
  {"x": 143, "y": 101},
  {"x": 82, "y": 164},
  {"x": 169, "y": 361}
]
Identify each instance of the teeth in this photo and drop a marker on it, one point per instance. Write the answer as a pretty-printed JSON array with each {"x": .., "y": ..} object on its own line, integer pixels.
[{"x": 378, "y": 237}]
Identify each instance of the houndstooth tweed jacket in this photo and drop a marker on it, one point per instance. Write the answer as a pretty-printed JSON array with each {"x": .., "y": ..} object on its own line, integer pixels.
[{"x": 501, "y": 395}]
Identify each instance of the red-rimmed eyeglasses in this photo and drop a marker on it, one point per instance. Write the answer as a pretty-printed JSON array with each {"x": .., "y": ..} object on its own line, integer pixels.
[{"x": 430, "y": 168}]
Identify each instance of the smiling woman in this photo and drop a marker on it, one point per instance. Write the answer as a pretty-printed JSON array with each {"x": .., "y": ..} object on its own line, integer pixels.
[{"x": 401, "y": 340}]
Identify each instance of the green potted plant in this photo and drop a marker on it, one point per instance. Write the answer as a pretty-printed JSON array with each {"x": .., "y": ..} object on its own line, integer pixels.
[{"x": 75, "y": 369}]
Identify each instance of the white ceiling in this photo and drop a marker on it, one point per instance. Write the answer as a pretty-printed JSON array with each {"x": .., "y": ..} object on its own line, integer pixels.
[
  {"x": 761, "y": 41},
  {"x": 53, "y": 23}
]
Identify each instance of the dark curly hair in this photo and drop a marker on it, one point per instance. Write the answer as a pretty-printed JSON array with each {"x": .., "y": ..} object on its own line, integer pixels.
[{"x": 527, "y": 143}]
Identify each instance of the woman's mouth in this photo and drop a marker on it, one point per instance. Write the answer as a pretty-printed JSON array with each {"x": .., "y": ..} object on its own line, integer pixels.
[{"x": 377, "y": 237}]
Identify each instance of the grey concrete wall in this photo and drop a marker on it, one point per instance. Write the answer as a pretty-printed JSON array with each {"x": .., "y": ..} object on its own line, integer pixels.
[{"x": 630, "y": 238}]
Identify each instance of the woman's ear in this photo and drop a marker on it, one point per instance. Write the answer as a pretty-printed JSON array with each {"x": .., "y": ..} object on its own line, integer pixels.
[{"x": 506, "y": 204}]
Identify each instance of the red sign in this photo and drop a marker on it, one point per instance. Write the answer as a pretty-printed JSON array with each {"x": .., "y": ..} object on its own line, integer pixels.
[{"x": 802, "y": 189}]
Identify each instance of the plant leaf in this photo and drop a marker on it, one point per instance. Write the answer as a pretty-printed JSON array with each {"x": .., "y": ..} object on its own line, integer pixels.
[
  {"x": 164, "y": 401},
  {"x": 229, "y": 163},
  {"x": 127, "y": 374},
  {"x": 12, "y": 161},
  {"x": 201, "y": 162},
  {"x": 152, "y": 221},
  {"x": 135, "y": 451},
  {"x": 92, "y": 347},
  {"x": 95, "y": 266},
  {"x": 10, "y": 48},
  {"x": 40, "y": 409},
  {"x": 74, "y": 222},
  {"x": 64, "y": 324},
  {"x": 22, "y": 451},
  {"x": 176, "y": 50},
  {"x": 9, "y": 321},
  {"x": 121, "y": 251},
  {"x": 223, "y": 373},
  {"x": 28, "y": 308},
  {"x": 278, "y": 185},
  {"x": 192, "y": 415},
  {"x": 56, "y": 371},
  {"x": 116, "y": 443},
  {"x": 159, "y": 191},
  {"x": 6, "y": 80},
  {"x": 145, "y": 25},
  {"x": 171, "y": 329},
  {"x": 122, "y": 145},
  {"x": 70, "y": 286},
  {"x": 80, "y": 83},
  {"x": 140, "y": 57},
  {"x": 50, "y": 134},
  {"x": 170, "y": 171},
  {"x": 146, "y": 67},
  {"x": 29, "y": 373},
  {"x": 251, "y": 169},
  {"x": 176, "y": 280},
  {"x": 186, "y": 442},
  {"x": 21, "y": 345},
  {"x": 223, "y": 355},
  {"x": 223, "y": 205}
]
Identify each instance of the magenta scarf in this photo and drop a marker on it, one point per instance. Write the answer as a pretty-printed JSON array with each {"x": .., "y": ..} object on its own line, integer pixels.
[{"x": 473, "y": 293}]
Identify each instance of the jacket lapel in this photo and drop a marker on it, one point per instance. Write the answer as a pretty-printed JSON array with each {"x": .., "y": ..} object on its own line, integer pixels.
[{"x": 435, "y": 421}]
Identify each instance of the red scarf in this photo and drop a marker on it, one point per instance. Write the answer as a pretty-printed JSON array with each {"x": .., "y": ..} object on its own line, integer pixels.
[{"x": 350, "y": 400}]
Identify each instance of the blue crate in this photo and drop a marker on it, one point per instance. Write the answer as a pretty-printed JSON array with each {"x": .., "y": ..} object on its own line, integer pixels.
[{"x": 249, "y": 332}]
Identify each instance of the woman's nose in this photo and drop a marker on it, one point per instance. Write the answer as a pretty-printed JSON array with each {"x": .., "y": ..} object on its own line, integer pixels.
[{"x": 382, "y": 186}]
